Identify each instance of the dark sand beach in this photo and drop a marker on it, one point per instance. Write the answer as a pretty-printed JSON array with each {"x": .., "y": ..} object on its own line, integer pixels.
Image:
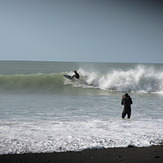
[{"x": 153, "y": 154}]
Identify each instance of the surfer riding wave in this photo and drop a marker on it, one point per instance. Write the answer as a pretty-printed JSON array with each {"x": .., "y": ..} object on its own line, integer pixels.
[{"x": 76, "y": 75}]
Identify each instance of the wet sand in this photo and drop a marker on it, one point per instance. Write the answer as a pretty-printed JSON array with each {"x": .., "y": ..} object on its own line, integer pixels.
[{"x": 153, "y": 154}]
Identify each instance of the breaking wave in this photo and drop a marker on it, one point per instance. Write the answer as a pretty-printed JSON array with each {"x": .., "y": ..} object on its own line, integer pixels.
[{"x": 139, "y": 79}]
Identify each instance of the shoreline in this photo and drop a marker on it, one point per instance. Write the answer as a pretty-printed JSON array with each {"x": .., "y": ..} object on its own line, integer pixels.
[{"x": 152, "y": 154}]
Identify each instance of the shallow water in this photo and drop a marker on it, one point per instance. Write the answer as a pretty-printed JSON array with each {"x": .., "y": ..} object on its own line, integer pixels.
[{"x": 44, "y": 112}]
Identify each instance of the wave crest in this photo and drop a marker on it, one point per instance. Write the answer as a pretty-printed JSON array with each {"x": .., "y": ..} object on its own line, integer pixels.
[{"x": 139, "y": 79}]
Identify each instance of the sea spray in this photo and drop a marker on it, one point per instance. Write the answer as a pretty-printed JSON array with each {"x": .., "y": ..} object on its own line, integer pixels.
[{"x": 139, "y": 79}]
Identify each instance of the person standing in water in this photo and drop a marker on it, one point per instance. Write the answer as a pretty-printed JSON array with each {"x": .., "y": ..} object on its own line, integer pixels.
[
  {"x": 76, "y": 75},
  {"x": 127, "y": 102}
]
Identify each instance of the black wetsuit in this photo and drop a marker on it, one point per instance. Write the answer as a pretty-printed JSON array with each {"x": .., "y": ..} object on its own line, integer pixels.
[
  {"x": 76, "y": 75},
  {"x": 126, "y": 101}
]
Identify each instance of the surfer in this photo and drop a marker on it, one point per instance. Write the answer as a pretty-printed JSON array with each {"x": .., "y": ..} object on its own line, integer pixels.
[
  {"x": 76, "y": 75},
  {"x": 126, "y": 101}
]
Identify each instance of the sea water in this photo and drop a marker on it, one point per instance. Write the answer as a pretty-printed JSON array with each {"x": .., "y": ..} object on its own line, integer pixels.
[{"x": 41, "y": 111}]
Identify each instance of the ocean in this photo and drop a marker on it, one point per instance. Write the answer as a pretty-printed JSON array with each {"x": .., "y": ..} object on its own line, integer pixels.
[{"x": 42, "y": 111}]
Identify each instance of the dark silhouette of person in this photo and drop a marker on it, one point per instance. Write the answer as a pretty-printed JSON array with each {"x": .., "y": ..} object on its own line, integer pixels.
[
  {"x": 76, "y": 75},
  {"x": 127, "y": 102}
]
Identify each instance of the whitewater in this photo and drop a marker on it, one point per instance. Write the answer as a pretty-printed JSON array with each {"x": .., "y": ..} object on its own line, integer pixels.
[{"x": 41, "y": 111}]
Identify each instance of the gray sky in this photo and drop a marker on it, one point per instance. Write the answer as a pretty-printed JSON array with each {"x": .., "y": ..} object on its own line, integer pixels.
[{"x": 82, "y": 30}]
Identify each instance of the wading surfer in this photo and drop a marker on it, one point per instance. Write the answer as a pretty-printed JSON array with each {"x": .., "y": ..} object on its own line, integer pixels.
[{"x": 126, "y": 101}]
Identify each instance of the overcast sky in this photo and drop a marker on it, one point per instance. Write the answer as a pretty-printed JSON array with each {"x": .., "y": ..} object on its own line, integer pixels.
[{"x": 82, "y": 30}]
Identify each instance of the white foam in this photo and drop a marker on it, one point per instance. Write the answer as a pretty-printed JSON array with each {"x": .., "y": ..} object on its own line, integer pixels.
[
  {"x": 139, "y": 79},
  {"x": 18, "y": 137}
]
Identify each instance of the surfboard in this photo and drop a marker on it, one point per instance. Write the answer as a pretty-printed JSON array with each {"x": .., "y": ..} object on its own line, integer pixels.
[
  {"x": 79, "y": 80},
  {"x": 67, "y": 76}
]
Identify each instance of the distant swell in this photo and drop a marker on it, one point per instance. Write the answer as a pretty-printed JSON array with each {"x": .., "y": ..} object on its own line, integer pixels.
[{"x": 139, "y": 79}]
